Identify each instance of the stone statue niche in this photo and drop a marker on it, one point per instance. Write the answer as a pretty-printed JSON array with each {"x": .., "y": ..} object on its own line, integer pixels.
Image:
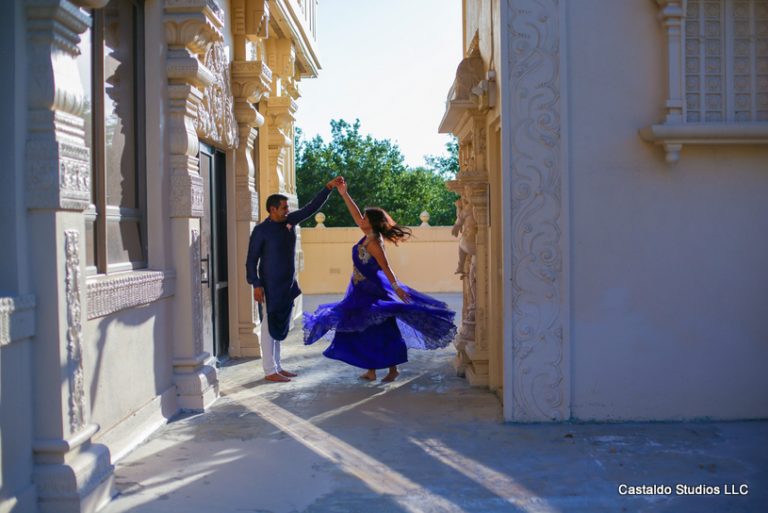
[{"x": 465, "y": 228}]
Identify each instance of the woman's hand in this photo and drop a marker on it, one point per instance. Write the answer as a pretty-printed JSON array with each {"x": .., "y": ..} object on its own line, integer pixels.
[
  {"x": 403, "y": 295},
  {"x": 341, "y": 186},
  {"x": 335, "y": 182}
]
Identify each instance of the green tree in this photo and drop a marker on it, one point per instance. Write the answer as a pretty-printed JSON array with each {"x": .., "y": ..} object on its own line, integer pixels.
[
  {"x": 446, "y": 166},
  {"x": 377, "y": 176}
]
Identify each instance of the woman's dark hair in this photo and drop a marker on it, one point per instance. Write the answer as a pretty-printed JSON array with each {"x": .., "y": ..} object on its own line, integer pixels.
[{"x": 384, "y": 225}]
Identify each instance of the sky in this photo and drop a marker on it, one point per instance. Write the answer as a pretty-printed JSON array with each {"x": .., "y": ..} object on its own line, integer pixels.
[{"x": 388, "y": 63}]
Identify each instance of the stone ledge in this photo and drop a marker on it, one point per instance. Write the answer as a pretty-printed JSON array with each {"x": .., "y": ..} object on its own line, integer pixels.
[
  {"x": 17, "y": 318},
  {"x": 672, "y": 136},
  {"x": 110, "y": 294}
]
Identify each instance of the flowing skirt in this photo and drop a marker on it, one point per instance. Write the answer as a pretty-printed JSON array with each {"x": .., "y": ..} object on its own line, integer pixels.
[{"x": 372, "y": 329}]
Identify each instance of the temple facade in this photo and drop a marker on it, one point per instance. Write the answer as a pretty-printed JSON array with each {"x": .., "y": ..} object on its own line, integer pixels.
[
  {"x": 140, "y": 138},
  {"x": 612, "y": 217},
  {"x": 611, "y": 222}
]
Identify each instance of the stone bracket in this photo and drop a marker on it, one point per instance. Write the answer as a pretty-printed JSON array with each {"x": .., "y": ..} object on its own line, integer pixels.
[{"x": 251, "y": 80}]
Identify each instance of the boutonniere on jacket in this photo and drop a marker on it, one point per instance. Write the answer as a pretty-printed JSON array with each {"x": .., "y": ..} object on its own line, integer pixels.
[{"x": 288, "y": 226}]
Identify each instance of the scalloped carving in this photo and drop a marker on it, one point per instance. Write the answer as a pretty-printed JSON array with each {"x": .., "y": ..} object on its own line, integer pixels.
[
  {"x": 115, "y": 293},
  {"x": 540, "y": 388}
]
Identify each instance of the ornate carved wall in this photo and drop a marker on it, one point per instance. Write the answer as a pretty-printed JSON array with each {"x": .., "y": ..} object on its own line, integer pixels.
[{"x": 537, "y": 384}]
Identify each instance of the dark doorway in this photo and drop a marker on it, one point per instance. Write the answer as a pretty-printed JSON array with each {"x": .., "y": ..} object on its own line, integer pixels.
[{"x": 214, "y": 250}]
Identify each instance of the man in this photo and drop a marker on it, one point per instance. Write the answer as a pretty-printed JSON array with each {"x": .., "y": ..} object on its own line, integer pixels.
[{"x": 271, "y": 271}]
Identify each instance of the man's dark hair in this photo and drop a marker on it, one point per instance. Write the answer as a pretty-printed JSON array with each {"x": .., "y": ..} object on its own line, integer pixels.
[{"x": 274, "y": 201}]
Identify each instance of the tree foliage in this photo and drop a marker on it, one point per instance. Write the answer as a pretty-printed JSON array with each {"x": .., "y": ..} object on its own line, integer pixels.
[{"x": 376, "y": 175}]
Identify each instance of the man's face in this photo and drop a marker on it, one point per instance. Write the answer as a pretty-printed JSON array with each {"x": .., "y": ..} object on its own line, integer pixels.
[{"x": 280, "y": 213}]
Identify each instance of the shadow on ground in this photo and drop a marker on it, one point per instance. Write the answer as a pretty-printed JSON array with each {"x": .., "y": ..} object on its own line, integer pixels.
[{"x": 328, "y": 442}]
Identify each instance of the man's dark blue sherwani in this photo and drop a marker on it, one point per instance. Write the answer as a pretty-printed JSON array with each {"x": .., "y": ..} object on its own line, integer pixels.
[{"x": 270, "y": 263}]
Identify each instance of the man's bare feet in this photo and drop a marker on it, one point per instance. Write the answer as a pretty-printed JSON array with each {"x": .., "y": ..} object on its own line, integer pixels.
[
  {"x": 277, "y": 378},
  {"x": 369, "y": 375},
  {"x": 287, "y": 374},
  {"x": 391, "y": 375}
]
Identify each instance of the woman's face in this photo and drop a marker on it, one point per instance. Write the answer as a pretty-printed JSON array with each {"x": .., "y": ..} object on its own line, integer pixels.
[{"x": 365, "y": 224}]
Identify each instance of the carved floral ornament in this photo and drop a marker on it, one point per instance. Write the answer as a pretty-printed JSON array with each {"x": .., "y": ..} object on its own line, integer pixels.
[
  {"x": 540, "y": 347},
  {"x": 216, "y": 116}
]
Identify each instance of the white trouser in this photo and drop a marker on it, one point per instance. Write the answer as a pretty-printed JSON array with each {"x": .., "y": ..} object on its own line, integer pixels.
[{"x": 270, "y": 348}]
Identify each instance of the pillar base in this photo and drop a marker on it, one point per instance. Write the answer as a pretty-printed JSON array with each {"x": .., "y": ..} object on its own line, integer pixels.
[
  {"x": 83, "y": 483},
  {"x": 477, "y": 370},
  {"x": 24, "y": 501},
  {"x": 248, "y": 344},
  {"x": 475, "y": 375},
  {"x": 198, "y": 389},
  {"x": 460, "y": 363}
]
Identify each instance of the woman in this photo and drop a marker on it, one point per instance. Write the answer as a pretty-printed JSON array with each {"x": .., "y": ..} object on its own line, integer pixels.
[{"x": 372, "y": 328}]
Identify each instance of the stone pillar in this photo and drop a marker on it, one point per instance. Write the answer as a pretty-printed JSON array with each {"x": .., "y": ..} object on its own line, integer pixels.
[
  {"x": 251, "y": 80},
  {"x": 472, "y": 184},
  {"x": 276, "y": 167},
  {"x": 537, "y": 342},
  {"x": 190, "y": 26},
  {"x": 477, "y": 349},
  {"x": 72, "y": 474}
]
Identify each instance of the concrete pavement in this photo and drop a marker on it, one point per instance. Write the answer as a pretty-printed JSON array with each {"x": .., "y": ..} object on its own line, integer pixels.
[{"x": 327, "y": 442}]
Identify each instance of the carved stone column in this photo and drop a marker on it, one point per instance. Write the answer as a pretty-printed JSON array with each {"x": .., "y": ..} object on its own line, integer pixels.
[
  {"x": 476, "y": 190},
  {"x": 71, "y": 473},
  {"x": 277, "y": 173},
  {"x": 250, "y": 81},
  {"x": 537, "y": 355},
  {"x": 191, "y": 26},
  {"x": 471, "y": 183}
]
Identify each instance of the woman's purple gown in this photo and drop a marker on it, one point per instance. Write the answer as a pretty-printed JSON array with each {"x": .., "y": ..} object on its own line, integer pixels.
[{"x": 371, "y": 327}]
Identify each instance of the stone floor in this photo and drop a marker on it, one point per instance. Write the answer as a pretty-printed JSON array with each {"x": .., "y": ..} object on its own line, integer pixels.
[{"x": 327, "y": 442}]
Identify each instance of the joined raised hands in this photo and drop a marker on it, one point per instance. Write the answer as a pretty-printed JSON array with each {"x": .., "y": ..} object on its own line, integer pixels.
[
  {"x": 342, "y": 186},
  {"x": 336, "y": 182}
]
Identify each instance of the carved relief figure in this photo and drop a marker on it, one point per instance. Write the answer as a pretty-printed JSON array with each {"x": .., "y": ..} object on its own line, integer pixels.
[{"x": 465, "y": 227}]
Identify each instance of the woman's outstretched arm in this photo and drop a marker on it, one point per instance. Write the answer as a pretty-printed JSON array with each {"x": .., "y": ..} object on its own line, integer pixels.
[{"x": 354, "y": 211}]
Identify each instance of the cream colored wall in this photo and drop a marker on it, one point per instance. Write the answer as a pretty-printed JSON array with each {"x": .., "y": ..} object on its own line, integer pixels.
[
  {"x": 669, "y": 288},
  {"x": 426, "y": 262}
]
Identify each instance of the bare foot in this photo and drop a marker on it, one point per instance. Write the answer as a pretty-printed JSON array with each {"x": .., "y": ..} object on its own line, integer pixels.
[
  {"x": 391, "y": 376},
  {"x": 277, "y": 378},
  {"x": 287, "y": 374},
  {"x": 369, "y": 375}
]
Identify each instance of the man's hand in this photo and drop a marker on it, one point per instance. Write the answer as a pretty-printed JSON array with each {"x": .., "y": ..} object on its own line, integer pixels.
[
  {"x": 258, "y": 294},
  {"x": 335, "y": 182}
]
